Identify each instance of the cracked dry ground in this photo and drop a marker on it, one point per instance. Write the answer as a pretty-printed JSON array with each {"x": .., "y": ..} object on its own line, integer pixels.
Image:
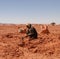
[{"x": 45, "y": 47}]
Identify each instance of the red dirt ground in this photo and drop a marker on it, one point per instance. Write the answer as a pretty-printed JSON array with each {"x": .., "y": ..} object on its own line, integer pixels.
[{"x": 47, "y": 46}]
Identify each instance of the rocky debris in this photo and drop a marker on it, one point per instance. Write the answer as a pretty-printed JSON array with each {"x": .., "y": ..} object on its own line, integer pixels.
[
  {"x": 44, "y": 29},
  {"x": 12, "y": 46}
]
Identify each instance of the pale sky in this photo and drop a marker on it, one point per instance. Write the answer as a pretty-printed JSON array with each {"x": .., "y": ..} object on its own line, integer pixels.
[{"x": 30, "y": 11}]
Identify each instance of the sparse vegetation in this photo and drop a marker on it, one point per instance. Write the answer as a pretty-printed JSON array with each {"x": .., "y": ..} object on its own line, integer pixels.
[{"x": 53, "y": 23}]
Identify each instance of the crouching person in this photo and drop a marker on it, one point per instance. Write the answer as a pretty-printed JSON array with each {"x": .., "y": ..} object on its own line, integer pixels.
[
  {"x": 31, "y": 31},
  {"x": 30, "y": 34}
]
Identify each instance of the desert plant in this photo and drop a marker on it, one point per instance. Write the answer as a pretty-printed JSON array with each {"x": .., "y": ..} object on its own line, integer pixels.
[{"x": 53, "y": 23}]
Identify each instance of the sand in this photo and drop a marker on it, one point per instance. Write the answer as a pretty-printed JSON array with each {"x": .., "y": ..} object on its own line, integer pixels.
[{"x": 46, "y": 46}]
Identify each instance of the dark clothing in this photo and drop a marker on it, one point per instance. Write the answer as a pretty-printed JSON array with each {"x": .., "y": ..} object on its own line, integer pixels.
[{"x": 31, "y": 32}]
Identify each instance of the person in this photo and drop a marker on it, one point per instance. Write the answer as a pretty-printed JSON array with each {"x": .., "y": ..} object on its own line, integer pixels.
[{"x": 31, "y": 31}]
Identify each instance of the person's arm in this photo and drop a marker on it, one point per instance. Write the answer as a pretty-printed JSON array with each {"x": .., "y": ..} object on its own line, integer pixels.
[{"x": 31, "y": 32}]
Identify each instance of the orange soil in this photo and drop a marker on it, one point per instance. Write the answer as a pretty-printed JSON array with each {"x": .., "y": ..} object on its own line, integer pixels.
[{"x": 47, "y": 46}]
